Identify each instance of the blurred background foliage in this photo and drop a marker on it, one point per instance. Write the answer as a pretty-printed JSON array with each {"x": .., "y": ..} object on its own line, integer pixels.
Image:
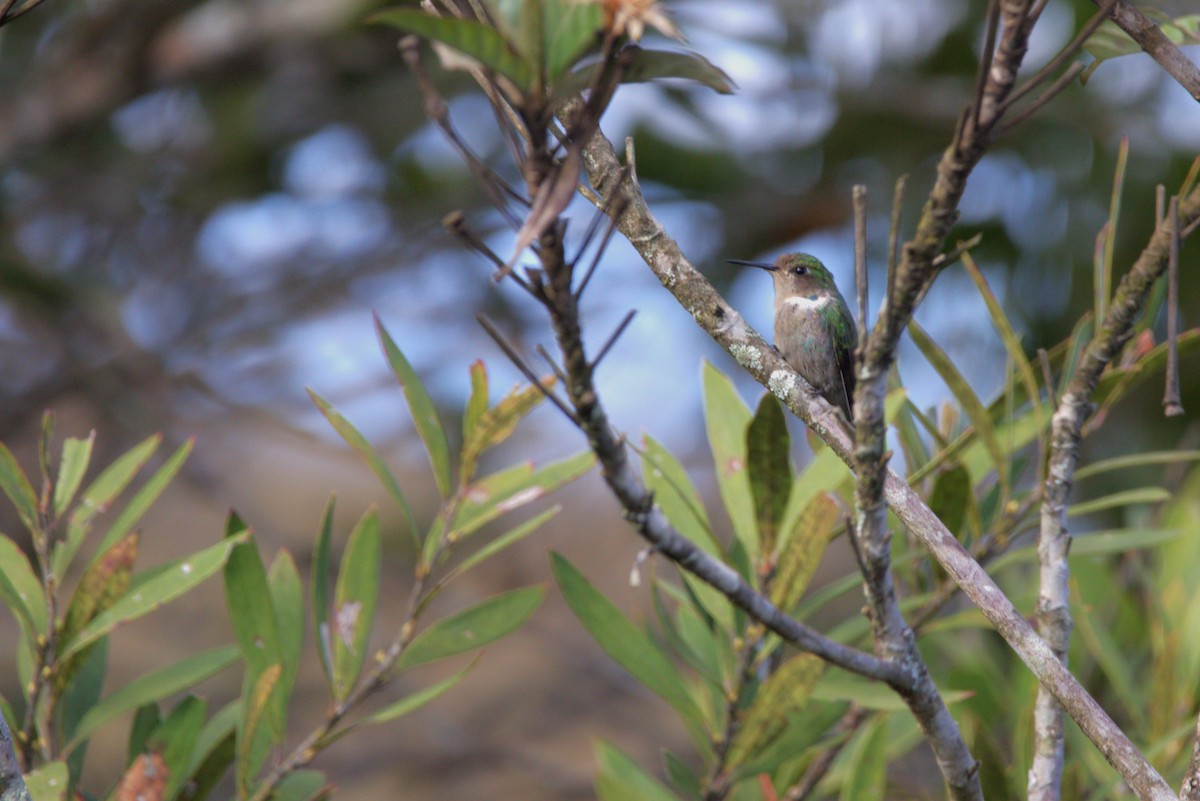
[{"x": 201, "y": 202}]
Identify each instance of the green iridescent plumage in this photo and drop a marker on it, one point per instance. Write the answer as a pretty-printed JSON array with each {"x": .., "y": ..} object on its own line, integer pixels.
[{"x": 814, "y": 329}]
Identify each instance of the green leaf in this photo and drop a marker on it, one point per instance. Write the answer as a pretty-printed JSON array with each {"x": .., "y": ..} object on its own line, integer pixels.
[
  {"x": 867, "y": 763},
  {"x": 571, "y": 30},
  {"x": 287, "y": 599},
  {"x": 838, "y": 685},
  {"x": 319, "y": 591},
  {"x": 1114, "y": 660},
  {"x": 474, "y": 39},
  {"x": 20, "y": 589},
  {"x": 367, "y": 451},
  {"x": 621, "y": 779},
  {"x": 1004, "y": 328},
  {"x": 1099, "y": 543},
  {"x": 952, "y": 496},
  {"x": 472, "y": 628},
  {"x": 145, "y": 497},
  {"x": 402, "y": 707},
  {"x": 420, "y": 406},
  {"x": 676, "y": 496},
  {"x": 354, "y": 603},
  {"x": 1136, "y": 460},
  {"x": 770, "y": 469},
  {"x": 1117, "y": 500},
  {"x": 628, "y": 645},
  {"x": 48, "y": 782},
  {"x": 682, "y": 776},
  {"x": 153, "y": 687},
  {"x": 302, "y": 785},
  {"x": 102, "y": 585},
  {"x": 505, "y": 540},
  {"x": 785, "y": 691},
  {"x": 726, "y": 417},
  {"x": 18, "y": 489},
  {"x": 76, "y": 454},
  {"x": 168, "y": 582},
  {"x": 654, "y": 65},
  {"x": 501, "y": 492},
  {"x": 175, "y": 738},
  {"x": 478, "y": 402},
  {"x": 803, "y": 551},
  {"x": 967, "y": 399},
  {"x": 497, "y": 424},
  {"x": 251, "y": 747},
  {"x": 145, "y": 720},
  {"x": 214, "y": 751},
  {"x": 97, "y": 497},
  {"x": 255, "y": 628},
  {"x": 1109, "y": 41},
  {"x": 80, "y": 695}
]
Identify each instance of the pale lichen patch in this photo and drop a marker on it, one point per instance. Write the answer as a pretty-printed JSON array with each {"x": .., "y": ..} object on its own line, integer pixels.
[
  {"x": 747, "y": 356},
  {"x": 782, "y": 384}
]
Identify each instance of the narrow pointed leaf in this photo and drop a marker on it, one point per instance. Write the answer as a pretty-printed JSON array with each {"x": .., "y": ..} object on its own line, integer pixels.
[
  {"x": 102, "y": 584},
  {"x": 726, "y": 417},
  {"x": 420, "y": 406},
  {"x": 175, "y": 739},
  {"x": 478, "y": 402},
  {"x": 153, "y": 687},
  {"x": 76, "y": 454},
  {"x": 319, "y": 592},
  {"x": 499, "y": 493},
  {"x": 367, "y": 451},
  {"x": 477, "y": 40},
  {"x": 803, "y": 551},
  {"x": 354, "y": 603},
  {"x": 251, "y": 748},
  {"x": 145, "y": 497},
  {"x": 1097, "y": 543},
  {"x": 20, "y": 589},
  {"x": 98, "y": 496},
  {"x": 621, "y": 779},
  {"x": 402, "y": 707},
  {"x": 145, "y": 720},
  {"x": 770, "y": 468},
  {"x": 505, "y": 540},
  {"x": 628, "y": 645},
  {"x": 287, "y": 599},
  {"x": 952, "y": 493},
  {"x": 1004, "y": 328},
  {"x": 1136, "y": 460},
  {"x": 786, "y": 691},
  {"x": 18, "y": 489},
  {"x": 676, "y": 496},
  {"x": 168, "y": 582},
  {"x": 653, "y": 65},
  {"x": 967, "y": 399},
  {"x": 1117, "y": 500},
  {"x": 472, "y": 628},
  {"x": 498, "y": 423},
  {"x": 867, "y": 765},
  {"x": 252, "y": 613},
  {"x": 214, "y": 753}
]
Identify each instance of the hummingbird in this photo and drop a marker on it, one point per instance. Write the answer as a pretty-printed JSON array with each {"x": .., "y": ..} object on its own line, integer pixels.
[{"x": 814, "y": 329}]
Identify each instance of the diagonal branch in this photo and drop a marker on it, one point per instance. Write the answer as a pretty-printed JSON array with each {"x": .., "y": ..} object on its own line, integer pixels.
[{"x": 1156, "y": 44}]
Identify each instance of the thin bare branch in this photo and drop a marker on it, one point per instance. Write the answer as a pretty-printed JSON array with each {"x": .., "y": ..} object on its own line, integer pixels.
[
  {"x": 860, "y": 258},
  {"x": 612, "y": 340},
  {"x": 1055, "y": 89},
  {"x": 546, "y": 357},
  {"x": 1172, "y": 401},
  {"x": 523, "y": 366}
]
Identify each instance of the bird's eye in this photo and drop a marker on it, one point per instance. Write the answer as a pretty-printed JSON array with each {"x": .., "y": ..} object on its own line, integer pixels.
[{"x": 801, "y": 271}]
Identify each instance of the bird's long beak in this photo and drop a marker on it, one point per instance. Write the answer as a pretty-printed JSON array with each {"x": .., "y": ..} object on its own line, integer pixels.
[{"x": 762, "y": 265}]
